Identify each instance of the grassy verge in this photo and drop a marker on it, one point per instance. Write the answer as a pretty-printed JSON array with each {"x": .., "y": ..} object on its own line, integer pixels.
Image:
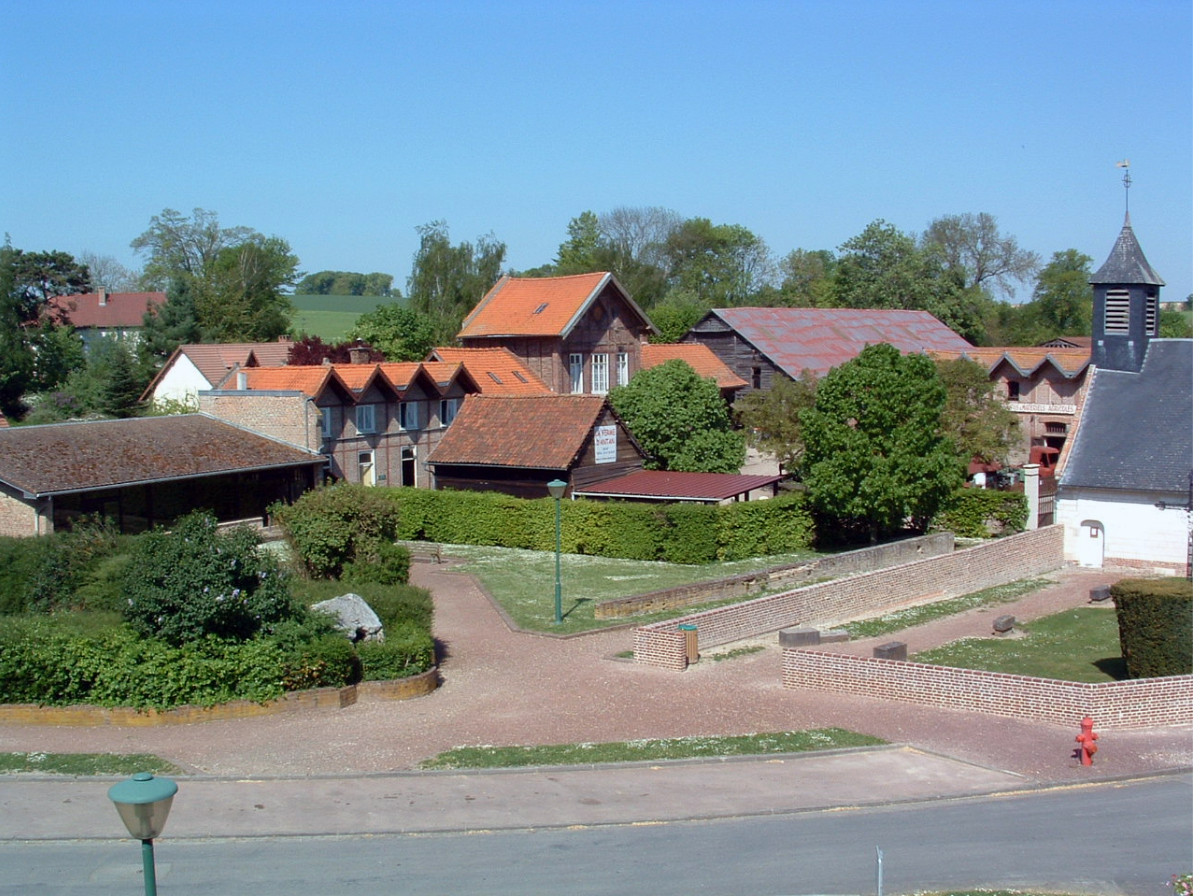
[
  {"x": 913, "y": 616},
  {"x": 650, "y": 750},
  {"x": 1076, "y": 645},
  {"x": 523, "y": 583},
  {"x": 85, "y": 764}
]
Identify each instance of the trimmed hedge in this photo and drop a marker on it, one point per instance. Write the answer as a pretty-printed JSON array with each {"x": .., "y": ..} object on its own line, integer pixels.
[
  {"x": 1155, "y": 626},
  {"x": 974, "y": 512},
  {"x": 332, "y": 528},
  {"x": 677, "y": 533}
]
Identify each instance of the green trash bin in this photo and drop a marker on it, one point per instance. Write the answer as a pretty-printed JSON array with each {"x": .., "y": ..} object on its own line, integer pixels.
[{"x": 691, "y": 642}]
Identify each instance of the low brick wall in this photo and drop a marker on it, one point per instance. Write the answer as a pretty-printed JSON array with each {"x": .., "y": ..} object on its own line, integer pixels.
[
  {"x": 867, "y": 594},
  {"x": 835, "y": 565},
  {"x": 296, "y": 701},
  {"x": 1140, "y": 703}
]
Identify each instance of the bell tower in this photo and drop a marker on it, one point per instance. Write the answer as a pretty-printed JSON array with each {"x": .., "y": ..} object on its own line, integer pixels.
[{"x": 1126, "y": 302}]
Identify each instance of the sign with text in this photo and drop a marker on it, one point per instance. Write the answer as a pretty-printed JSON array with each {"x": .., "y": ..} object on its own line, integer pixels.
[{"x": 605, "y": 443}]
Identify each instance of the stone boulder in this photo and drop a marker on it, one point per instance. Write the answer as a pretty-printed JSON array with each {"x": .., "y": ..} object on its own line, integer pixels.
[{"x": 353, "y": 616}]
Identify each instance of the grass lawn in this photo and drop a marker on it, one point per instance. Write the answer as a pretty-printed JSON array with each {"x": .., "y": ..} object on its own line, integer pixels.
[
  {"x": 1076, "y": 645},
  {"x": 523, "y": 583},
  {"x": 913, "y": 616},
  {"x": 651, "y": 750},
  {"x": 85, "y": 764}
]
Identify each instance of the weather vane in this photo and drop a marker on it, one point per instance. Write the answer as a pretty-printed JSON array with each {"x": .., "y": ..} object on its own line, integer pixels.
[{"x": 1126, "y": 164}]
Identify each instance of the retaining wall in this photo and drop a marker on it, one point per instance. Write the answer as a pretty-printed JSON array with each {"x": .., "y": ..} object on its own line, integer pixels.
[
  {"x": 835, "y": 565},
  {"x": 1005, "y": 560},
  {"x": 1140, "y": 703}
]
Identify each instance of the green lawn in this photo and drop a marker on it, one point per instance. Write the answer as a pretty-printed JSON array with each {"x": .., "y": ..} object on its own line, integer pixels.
[
  {"x": 523, "y": 583},
  {"x": 1076, "y": 645},
  {"x": 83, "y": 764}
]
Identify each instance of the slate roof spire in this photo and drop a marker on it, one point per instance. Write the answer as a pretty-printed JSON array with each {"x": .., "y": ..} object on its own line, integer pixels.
[{"x": 1127, "y": 263}]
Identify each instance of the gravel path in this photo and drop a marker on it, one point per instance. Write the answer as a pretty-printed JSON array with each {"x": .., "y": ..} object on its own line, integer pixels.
[{"x": 505, "y": 687}]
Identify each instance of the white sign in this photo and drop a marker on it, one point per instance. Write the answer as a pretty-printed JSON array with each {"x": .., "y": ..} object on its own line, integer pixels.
[{"x": 605, "y": 442}]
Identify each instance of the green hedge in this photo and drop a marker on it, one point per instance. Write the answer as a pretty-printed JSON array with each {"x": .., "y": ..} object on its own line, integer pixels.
[
  {"x": 976, "y": 512},
  {"x": 678, "y": 533},
  {"x": 1155, "y": 626}
]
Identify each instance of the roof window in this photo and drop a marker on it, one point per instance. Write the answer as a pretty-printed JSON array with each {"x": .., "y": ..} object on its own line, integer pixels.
[
  {"x": 494, "y": 377},
  {"x": 541, "y": 308},
  {"x": 518, "y": 374}
]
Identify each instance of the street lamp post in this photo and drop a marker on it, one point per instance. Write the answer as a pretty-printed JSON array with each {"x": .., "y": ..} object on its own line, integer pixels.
[
  {"x": 143, "y": 802},
  {"x": 557, "y": 487}
]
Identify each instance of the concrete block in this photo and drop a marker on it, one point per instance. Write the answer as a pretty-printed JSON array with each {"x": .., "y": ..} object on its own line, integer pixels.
[
  {"x": 834, "y": 636},
  {"x": 891, "y": 650},
  {"x": 799, "y": 637},
  {"x": 1004, "y": 624}
]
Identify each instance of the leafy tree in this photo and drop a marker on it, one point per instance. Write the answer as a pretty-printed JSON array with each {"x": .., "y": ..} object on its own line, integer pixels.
[
  {"x": 579, "y": 255},
  {"x": 57, "y": 350},
  {"x": 178, "y": 246},
  {"x": 974, "y": 419},
  {"x": 312, "y": 350},
  {"x": 875, "y": 458},
  {"x": 674, "y": 316},
  {"x": 972, "y": 246},
  {"x": 108, "y": 273},
  {"x": 680, "y": 420},
  {"x": 883, "y": 268},
  {"x": 1175, "y": 325},
  {"x": 400, "y": 333},
  {"x": 806, "y": 279},
  {"x": 719, "y": 265},
  {"x": 41, "y": 276},
  {"x": 447, "y": 281},
  {"x": 345, "y": 283},
  {"x": 1062, "y": 304},
  {"x": 16, "y": 356},
  {"x": 772, "y": 417}
]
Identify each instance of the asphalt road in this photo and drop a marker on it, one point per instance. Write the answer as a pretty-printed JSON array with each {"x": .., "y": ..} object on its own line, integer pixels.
[{"x": 1108, "y": 838}]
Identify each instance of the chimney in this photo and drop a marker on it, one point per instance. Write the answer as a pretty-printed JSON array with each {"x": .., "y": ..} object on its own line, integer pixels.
[
  {"x": 242, "y": 380},
  {"x": 359, "y": 353},
  {"x": 103, "y": 296}
]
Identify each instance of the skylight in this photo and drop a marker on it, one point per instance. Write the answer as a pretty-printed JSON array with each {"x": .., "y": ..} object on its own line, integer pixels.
[{"x": 541, "y": 308}]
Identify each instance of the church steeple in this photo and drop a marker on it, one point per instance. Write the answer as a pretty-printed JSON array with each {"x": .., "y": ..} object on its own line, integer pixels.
[{"x": 1126, "y": 305}]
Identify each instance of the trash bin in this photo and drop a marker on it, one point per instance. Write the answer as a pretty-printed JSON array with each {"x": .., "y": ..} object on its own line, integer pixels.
[{"x": 690, "y": 636}]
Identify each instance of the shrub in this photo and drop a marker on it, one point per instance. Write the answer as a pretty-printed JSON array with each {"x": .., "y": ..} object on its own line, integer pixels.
[
  {"x": 975, "y": 512},
  {"x": 196, "y": 581},
  {"x": 1155, "y": 626},
  {"x": 382, "y": 562},
  {"x": 407, "y": 650},
  {"x": 328, "y": 528}
]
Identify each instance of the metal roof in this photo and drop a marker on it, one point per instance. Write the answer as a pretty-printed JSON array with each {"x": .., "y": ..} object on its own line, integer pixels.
[{"x": 666, "y": 485}]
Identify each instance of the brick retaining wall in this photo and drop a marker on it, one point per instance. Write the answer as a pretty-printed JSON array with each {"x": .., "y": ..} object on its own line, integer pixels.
[
  {"x": 835, "y": 565},
  {"x": 1140, "y": 703},
  {"x": 867, "y": 594}
]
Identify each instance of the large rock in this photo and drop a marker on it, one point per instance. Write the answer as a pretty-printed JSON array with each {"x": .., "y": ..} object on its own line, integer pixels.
[{"x": 353, "y": 616}]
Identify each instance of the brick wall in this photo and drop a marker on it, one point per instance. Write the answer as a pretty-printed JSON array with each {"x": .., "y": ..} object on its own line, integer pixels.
[
  {"x": 847, "y": 563},
  {"x": 288, "y": 417},
  {"x": 1141, "y": 703},
  {"x": 18, "y": 518},
  {"x": 866, "y": 594}
]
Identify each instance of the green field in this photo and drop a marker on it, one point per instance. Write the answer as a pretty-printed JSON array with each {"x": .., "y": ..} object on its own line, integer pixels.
[{"x": 331, "y": 317}]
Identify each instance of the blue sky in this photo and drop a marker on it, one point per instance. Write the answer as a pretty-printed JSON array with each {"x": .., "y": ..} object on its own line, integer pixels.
[{"x": 343, "y": 126}]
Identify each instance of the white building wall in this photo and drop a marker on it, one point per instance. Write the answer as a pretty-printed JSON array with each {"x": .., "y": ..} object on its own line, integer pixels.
[
  {"x": 1136, "y": 533},
  {"x": 181, "y": 383}
]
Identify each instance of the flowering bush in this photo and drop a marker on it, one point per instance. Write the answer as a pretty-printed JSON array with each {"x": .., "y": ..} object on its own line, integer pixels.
[
  {"x": 1182, "y": 884},
  {"x": 193, "y": 581}
]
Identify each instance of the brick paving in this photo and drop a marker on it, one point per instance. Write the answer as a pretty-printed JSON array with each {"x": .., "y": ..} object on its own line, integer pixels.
[{"x": 506, "y": 687}]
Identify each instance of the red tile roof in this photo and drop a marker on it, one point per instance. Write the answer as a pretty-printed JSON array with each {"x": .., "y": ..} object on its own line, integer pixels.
[
  {"x": 104, "y": 310},
  {"x": 539, "y": 432},
  {"x": 665, "y": 485},
  {"x": 819, "y": 339},
  {"x": 700, "y": 357},
  {"x": 497, "y": 371},
  {"x": 1069, "y": 361},
  {"x": 214, "y": 360},
  {"x": 310, "y": 380},
  {"x": 72, "y": 457}
]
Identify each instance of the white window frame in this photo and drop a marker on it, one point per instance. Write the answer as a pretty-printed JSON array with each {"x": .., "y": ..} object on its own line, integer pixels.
[
  {"x": 408, "y": 416},
  {"x": 600, "y": 373},
  {"x": 576, "y": 371},
  {"x": 623, "y": 368},
  {"x": 366, "y": 419},
  {"x": 447, "y": 410}
]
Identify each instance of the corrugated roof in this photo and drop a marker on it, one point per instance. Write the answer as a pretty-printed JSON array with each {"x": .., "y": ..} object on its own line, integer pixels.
[
  {"x": 819, "y": 339},
  {"x": 1127, "y": 264},
  {"x": 497, "y": 371},
  {"x": 665, "y": 485},
  {"x": 72, "y": 457},
  {"x": 1135, "y": 431},
  {"x": 532, "y": 431},
  {"x": 118, "y": 309},
  {"x": 698, "y": 356}
]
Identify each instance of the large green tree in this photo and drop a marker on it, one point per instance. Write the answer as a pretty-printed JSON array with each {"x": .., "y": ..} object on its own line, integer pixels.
[
  {"x": 447, "y": 281},
  {"x": 718, "y": 265},
  {"x": 875, "y": 460},
  {"x": 973, "y": 247},
  {"x": 882, "y": 267},
  {"x": 402, "y": 334},
  {"x": 680, "y": 420},
  {"x": 166, "y": 326},
  {"x": 345, "y": 283},
  {"x": 1063, "y": 301},
  {"x": 772, "y": 421},
  {"x": 974, "y": 419}
]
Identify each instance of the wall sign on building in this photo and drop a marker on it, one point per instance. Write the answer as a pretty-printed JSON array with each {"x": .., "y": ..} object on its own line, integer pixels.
[{"x": 605, "y": 444}]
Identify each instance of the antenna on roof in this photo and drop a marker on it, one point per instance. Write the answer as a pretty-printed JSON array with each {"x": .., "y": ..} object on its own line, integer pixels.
[{"x": 1126, "y": 164}]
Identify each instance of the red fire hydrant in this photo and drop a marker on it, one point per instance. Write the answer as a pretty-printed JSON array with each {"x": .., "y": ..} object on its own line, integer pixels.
[{"x": 1086, "y": 741}]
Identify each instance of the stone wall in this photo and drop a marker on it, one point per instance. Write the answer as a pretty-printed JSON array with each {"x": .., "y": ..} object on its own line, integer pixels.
[
  {"x": 1141, "y": 703},
  {"x": 833, "y": 566},
  {"x": 867, "y": 594},
  {"x": 18, "y": 518}
]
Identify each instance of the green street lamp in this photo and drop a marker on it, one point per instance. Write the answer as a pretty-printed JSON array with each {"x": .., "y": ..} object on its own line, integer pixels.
[
  {"x": 557, "y": 487},
  {"x": 143, "y": 802}
]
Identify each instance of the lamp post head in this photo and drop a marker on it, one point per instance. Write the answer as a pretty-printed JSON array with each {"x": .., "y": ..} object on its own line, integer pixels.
[
  {"x": 556, "y": 488},
  {"x": 143, "y": 802}
]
